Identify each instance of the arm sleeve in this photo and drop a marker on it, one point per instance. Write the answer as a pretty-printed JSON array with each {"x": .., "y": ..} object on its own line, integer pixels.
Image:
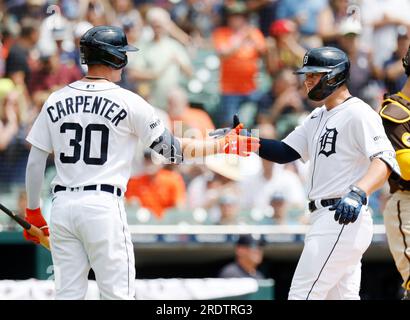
[
  {"x": 277, "y": 151},
  {"x": 36, "y": 166}
]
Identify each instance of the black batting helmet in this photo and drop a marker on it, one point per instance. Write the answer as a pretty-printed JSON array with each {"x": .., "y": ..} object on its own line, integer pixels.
[
  {"x": 105, "y": 45},
  {"x": 331, "y": 61}
]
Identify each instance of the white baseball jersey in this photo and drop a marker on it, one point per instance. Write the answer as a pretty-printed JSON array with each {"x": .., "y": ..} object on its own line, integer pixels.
[
  {"x": 92, "y": 128},
  {"x": 339, "y": 144}
]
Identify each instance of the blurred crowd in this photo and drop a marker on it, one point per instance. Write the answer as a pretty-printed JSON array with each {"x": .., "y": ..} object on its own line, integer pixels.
[{"x": 199, "y": 62}]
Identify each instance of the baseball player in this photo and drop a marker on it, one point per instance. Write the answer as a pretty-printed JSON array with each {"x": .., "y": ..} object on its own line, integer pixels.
[
  {"x": 395, "y": 113},
  {"x": 92, "y": 127},
  {"x": 350, "y": 157}
]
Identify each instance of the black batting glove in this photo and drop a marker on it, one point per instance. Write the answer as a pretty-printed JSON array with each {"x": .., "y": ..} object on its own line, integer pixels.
[{"x": 348, "y": 208}]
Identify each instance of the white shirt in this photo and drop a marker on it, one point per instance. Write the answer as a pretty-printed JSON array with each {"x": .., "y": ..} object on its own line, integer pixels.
[
  {"x": 257, "y": 191},
  {"x": 93, "y": 128},
  {"x": 339, "y": 144},
  {"x": 383, "y": 40}
]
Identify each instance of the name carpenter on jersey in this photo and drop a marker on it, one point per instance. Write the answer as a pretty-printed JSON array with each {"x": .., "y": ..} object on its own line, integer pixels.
[
  {"x": 206, "y": 309},
  {"x": 87, "y": 104}
]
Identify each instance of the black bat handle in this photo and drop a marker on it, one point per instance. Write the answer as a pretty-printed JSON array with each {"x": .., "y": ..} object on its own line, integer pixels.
[{"x": 16, "y": 218}]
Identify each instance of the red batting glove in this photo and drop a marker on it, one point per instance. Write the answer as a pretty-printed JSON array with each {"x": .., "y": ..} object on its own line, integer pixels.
[
  {"x": 233, "y": 143},
  {"x": 36, "y": 219}
]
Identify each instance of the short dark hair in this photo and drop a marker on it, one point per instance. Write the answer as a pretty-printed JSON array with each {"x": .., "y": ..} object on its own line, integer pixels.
[
  {"x": 249, "y": 240},
  {"x": 28, "y": 26}
]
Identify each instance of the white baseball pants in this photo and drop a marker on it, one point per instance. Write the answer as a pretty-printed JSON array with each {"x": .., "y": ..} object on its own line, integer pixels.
[
  {"x": 330, "y": 265},
  {"x": 88, "y": 229}
]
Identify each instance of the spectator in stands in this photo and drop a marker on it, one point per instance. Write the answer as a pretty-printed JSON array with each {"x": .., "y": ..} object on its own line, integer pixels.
[
  {"x": 266, "y": 11},
  {"x": 329, "y": 21},
  {"x": 18, "y": 59},
  {"x": 56, "y": 34},
  {"x": 305, "y": 14},
  {"x": 283, "y": 103},
  {"x": 228, "y": 206},
  {"x": 271, "y": 180},
  {"x": 184, "y": 117},
  {"x": 135, "y": 76},
  {"x": 381, "y": 19},
  {"x": 79, "y": 29},
  {"x": 220, "y": 177},
  {"x": 157, "y": 189},
  {"x": 97, "y": 12},
  {"x": 164, "y": 61},
  {"x": 363, "y": 71},
  {"x": 52, "y": 74},
  {"x": 36, "y": 9},
  {"x": 240, "y": 47},
  {"x": 394, "y": 77},
  {"x": 195, "y": 17},
  {"x": 278, "y": 203},
  {"x": 9, "y": 124},
  {"x": 284, "y": 50},
  {"x": 14, "y": 149},
  {"x": 124, "y": 10},
  {"x": 63, "y": 37},
  {"x": 248, "y": 257}
]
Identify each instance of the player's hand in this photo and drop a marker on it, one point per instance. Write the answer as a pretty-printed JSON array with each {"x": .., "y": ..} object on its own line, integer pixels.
[
  {"x": 224, "y": 131},
  {"x": 233, "y": 142},
  {"x": 348, "y": 208},
  {"x": 35, "y": 218}
]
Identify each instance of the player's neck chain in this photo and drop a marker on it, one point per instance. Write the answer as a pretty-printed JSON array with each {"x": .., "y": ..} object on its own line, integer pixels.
[{"x": 96, "y": 78}]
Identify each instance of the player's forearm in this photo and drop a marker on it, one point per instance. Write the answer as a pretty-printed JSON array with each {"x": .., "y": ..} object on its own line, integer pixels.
[
  {"x": 34, "y": 176},
  {"x": 375, "y": 177},
  {"x": 193, "y": 148}
]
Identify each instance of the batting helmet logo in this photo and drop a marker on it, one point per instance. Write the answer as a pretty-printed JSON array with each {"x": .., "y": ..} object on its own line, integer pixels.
[{"x": 305, "y": 59}]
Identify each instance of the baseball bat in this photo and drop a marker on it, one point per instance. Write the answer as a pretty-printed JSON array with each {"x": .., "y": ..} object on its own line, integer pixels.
[{"x": 33, "y": 230}]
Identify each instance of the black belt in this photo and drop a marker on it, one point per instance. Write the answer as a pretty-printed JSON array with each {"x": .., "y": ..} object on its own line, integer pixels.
[
  {"x": 324, "y": 203},
  {"x": 104, "y": 187}
]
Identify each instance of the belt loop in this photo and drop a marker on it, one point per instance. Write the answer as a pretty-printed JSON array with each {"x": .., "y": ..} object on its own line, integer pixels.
[{"x": 318, "y": 204}]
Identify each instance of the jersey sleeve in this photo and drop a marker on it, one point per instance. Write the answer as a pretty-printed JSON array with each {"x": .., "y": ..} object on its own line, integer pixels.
[
  {"x": 369, "y": 134},
  {"x": 144, "y": 121},
  {"x": 39, "y": 135},
  {"x": 298, "y": 140}
]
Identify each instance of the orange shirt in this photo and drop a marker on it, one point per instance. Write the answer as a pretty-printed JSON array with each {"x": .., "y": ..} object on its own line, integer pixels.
[
  {"x": 195, "y": 118},
  {"x": 157, "y": 193},
  {"x": 238, "y": 70}
]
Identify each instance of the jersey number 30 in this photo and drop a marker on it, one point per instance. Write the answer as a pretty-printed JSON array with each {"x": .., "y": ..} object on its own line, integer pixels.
[{"x": 75, "y": 143}]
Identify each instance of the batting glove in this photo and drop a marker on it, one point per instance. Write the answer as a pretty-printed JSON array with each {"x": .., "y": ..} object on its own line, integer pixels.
[
  {"x": 348, "y": 208},
  {"x": 234, "y": 143},
  {"x": 35, "y": 218}
]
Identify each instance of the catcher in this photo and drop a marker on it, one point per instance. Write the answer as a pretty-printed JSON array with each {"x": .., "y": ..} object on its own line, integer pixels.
[{"x": 395, "y": 113}]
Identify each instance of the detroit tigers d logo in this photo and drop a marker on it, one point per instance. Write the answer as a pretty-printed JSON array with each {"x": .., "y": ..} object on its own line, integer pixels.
[{"x": 328, "y": 142}]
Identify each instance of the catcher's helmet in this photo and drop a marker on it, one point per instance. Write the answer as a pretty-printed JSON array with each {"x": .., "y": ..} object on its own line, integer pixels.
[
  {"x": 105, "y": 45},
  {"x": 331, "y": 61}
]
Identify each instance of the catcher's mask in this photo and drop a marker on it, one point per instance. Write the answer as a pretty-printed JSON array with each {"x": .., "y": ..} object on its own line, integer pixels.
[
  {"x": 105, "y": 45},
  {"x": 333, "y": 63},
  {"x": 406, "y": 62}
]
